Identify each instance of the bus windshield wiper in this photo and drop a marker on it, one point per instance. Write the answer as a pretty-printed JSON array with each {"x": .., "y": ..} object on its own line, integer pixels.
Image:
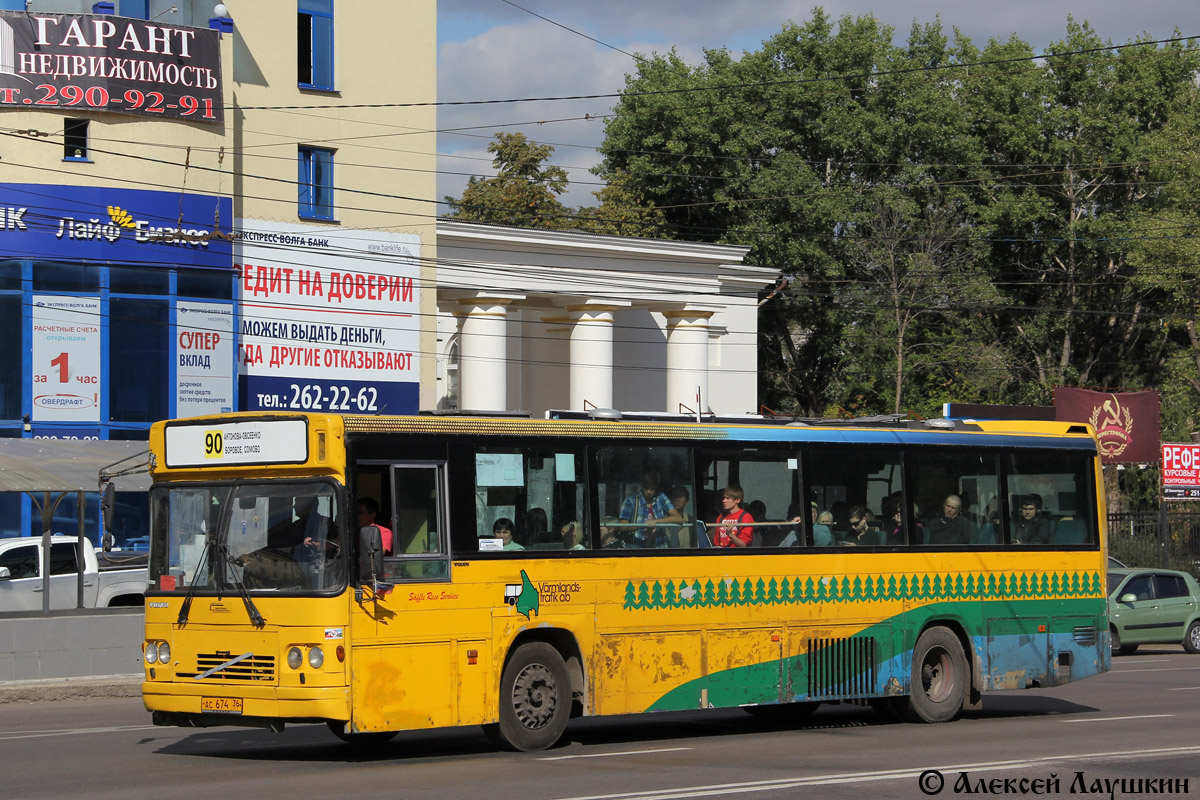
[
  {"x": 256, "y": 619},
  {"x": 186, "y": 608}
]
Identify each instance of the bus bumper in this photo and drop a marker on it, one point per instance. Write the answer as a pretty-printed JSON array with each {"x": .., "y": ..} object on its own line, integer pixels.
[{"x": 258, "y": 707}]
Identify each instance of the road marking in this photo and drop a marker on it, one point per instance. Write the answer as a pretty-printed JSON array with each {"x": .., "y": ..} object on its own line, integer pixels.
[
  {"x": 1160, "y": 669},
  {"x": 1182, "y": 688},
  {"x": 624, "y": 753},
  {"x": 882, "y": 775},
  {"x": 73, "y": 732},
  {"x": 1114, "y": 719},
  {"x": 1148, "y": 661}
]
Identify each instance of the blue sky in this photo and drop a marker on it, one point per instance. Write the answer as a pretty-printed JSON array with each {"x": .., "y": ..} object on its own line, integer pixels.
[{"x": 489, "y": 49}]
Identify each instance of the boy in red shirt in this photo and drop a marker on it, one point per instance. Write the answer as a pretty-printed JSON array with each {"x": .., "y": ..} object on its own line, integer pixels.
[{"x": 732, "y": 526}]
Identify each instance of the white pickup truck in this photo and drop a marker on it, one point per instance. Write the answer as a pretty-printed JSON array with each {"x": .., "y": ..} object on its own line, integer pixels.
[{"x": 22, "y": 587}]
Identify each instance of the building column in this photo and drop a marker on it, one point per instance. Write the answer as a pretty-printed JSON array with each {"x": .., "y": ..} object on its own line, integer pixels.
[
  {"x": 687, "y": 360},
  {"x": 483, "y": 354},
  {"x": 591, "y": 356}
]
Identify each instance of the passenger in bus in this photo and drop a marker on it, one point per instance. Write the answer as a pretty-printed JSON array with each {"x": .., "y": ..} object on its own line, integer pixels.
[
  {"x": 572, "y": 536},
  {"x": 679, "y": 497},
  {"x": 537, "y": 526},
  {"x": 950, "y": 527},
  {"x": 859, "y": 533},
  {"x": 893, "y": 521},
  {"x": 1031, "y": 527},
  {"x": 609, "y": 540},
  {"x": 368, "y": 510},
  {"x": 733, "y": 528},
  {"x": 823, "y": 529},
  {"x": 795, "y": 536},
  {"x": 650, "y": 506},
  {"x": 503, "y": 529}
]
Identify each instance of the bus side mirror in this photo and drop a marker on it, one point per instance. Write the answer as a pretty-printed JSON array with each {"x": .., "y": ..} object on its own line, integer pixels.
[
  {"x": 108, "y": 501},
  {"x": 370, "y": 554}
]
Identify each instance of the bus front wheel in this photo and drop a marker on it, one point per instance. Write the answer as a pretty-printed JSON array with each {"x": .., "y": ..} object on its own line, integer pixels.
[
  {"x": 939, "y": 677},
  {"x": 535, "y": 697}
]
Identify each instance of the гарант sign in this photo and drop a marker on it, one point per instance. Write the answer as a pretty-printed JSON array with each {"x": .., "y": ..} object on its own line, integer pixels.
[{"x": 109, "y": 63}]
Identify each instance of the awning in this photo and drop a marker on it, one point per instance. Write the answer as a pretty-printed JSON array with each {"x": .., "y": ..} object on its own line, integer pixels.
[{"x": 57, "y": 465}]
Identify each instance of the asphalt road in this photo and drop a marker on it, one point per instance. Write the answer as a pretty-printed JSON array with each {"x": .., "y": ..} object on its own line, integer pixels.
[{"x": 1140, "y": 721}]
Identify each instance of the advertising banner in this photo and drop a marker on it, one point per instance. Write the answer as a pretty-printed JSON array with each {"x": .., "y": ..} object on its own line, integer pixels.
[
  {"x": 66, "y": 359},
  {"x": 1181, "y": 471},
  {"x": 109, "y": 63},
  {"x": 204, "y": 350},
  {"x": 77, "y": 223},
  {"x": 1126, "y": 423},
  {"x": 329, "y": 320}
]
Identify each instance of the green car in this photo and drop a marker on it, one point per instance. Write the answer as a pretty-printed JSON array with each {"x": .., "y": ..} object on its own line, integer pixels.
[{"x": 1153, "y": 606}]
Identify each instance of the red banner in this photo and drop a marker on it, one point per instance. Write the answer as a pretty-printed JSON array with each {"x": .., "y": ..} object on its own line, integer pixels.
[{"x": 1126, "y": 423}]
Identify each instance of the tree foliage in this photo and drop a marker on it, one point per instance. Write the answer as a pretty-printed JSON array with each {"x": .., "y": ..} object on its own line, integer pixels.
[{"x": 958, "y": 223}]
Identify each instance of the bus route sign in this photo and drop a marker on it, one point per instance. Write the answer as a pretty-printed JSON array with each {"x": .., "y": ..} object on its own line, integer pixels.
[{"x": 1181, "y": 471}]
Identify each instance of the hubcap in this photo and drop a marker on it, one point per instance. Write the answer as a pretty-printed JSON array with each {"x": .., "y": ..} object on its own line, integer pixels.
[
  {"x": 937, "y": 674},
  {"x": 1195, "y": 636},
  {"x": 535, "y": 696}
]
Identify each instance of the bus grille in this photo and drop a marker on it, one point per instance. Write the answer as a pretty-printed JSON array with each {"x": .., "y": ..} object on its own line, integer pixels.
[
  {"x": 254, "y": 668},
  {"x": 841, "y": 668},
  {"x": 1086, "y": 636}
]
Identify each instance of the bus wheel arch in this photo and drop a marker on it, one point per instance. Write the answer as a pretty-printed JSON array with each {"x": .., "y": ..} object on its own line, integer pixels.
[{"x": 941, "y": 681}]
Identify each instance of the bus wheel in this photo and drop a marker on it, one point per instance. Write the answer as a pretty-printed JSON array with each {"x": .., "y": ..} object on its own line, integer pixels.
[
  {"x": 1191, "y": 639},
  {"x": 535, "y": 697},
  {"x": 939, "y": 677},
  {"x": 374, "y": 739}
]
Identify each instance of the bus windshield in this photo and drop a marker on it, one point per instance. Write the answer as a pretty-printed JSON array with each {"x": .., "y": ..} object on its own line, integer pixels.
[{"x": 265, "y": 537}]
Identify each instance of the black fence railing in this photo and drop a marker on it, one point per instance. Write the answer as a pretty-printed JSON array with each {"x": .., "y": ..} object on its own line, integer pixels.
[{"x": 1140, "y": 539}]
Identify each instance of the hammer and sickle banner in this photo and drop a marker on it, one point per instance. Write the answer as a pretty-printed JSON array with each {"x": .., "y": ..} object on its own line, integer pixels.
[{"x": 1126, "y": 423}]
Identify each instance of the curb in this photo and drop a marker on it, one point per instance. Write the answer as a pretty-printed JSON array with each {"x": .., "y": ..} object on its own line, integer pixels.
[{"x": 93, "y": 686}]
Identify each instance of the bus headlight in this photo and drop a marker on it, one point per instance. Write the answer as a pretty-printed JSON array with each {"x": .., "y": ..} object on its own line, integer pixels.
[
  {"x": 164, "y": 652},
  {"x": 151, "y": 652},
  {"x": 295, "y": 658},
  {"x": 316, "y": 657}
]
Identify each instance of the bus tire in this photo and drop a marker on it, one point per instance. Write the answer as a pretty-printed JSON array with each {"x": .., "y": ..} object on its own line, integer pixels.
[
  {"x": 939, "y": 677},
  {"x": 365, "y": 740},
  {"x": 535, "y": 697},
  {"x": 1191, "y": 639}
]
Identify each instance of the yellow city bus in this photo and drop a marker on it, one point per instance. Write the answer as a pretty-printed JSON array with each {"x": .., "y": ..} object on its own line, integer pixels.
[{"x": 522, "y": 572}]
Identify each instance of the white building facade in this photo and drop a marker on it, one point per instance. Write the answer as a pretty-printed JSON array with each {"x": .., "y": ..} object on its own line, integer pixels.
[{"x": 533, "y": 320}]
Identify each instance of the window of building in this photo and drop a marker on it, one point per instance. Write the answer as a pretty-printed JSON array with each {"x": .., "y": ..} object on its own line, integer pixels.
[
  {"x": 208, "y": 283},
  {"x": 11, "y": 374},
  {"x": 56, "y": 276},
  {"x": 142, "y": 279},
  {"x": 75, "y": 139},
  {"x": 314, "y": 44},
  {"x": 138, "y": 9},
  {"x": 139, "y": 353},
  {"x": 316, "y": 183}
]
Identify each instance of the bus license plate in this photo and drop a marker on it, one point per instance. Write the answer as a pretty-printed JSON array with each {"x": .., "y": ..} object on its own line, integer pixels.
[{"x": 221, "y": 705}]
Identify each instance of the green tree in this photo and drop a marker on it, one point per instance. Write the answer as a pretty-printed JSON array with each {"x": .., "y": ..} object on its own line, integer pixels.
[{"x": 524, "y": 191}]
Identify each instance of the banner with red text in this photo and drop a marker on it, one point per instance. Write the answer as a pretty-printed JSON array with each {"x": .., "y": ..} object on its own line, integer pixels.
[{"x": 1126, "y": 423}]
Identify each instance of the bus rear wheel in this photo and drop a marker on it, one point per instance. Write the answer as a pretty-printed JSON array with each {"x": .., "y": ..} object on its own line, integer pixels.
[
  {"x": 535, "y": 697},
  {"x": 939, "y": 677}
]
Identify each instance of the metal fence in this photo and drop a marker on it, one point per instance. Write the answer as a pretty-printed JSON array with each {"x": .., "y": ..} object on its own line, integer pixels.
[{"x": 1151, "y": 539}]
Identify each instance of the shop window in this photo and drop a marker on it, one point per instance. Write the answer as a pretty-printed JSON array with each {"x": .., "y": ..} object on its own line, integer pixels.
[
  {"x": 75, "y": 139},
  {"x": 314, "y": 44},
  {"x": 316, "y": 183},
  {"x": 53, "y": 276},
  {"x": 11, "y": 374},
  {"x": 10, "y": 276},
  {"x": 138, "y": 357},
  {"x": 207, "y": 283},
  {"x": 145, "y": 279}
]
